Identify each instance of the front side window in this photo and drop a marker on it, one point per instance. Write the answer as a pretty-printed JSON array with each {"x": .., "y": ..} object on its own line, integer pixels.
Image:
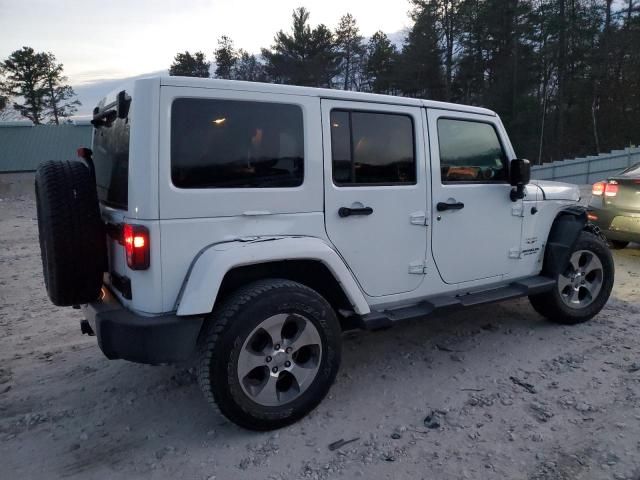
[
  {"x": 470, "y": 152},
  {"x": 236, "y": 144},
  {"x": 371, "y": 148}
]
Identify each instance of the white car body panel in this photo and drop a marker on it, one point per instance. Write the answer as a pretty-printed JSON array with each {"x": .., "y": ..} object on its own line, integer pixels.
[
  {"x": 143, "y": 199},
  {"x": 183, "y": 239},
  {"x": 214, "y": 262},
  {"x": 558, "y": 190},
  {"x": 198, "y": 235},
  {"x": 271, "y": 88},
  {"x": 227, "y": 202}
]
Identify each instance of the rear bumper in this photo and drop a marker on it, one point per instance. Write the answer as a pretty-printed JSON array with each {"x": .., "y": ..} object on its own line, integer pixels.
[
  {"x": 617, "y": 225},
  {"x": 125, "y": 335}
]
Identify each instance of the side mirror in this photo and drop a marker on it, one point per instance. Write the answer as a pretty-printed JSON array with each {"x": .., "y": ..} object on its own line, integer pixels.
[{"x": 519, "y": 176}]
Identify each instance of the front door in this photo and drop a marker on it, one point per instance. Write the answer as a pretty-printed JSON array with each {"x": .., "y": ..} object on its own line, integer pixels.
[
  {"x": 375, "y": 192},
  {"x": 477, "y": 228}
]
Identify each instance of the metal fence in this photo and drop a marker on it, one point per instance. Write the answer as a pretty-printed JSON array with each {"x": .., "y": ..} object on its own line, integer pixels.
[{"x": 591, "y": 169}]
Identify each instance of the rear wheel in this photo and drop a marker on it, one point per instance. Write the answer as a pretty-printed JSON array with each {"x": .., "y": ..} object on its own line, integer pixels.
[
  {"x": 270, "y": 354},
  {"x": 583, "y": 288},
  {"x": 618, "y": 244}
]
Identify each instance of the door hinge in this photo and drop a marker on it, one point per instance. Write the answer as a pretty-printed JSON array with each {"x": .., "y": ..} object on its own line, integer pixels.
[
  {"x": 419, "y": 218},
  {"x": 418, "y": 268},
  {"x": 517, "y": 209},
  {"x": 514, "y": 252}
]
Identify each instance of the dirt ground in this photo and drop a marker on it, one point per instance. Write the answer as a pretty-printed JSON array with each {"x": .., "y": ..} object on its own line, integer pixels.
[{"x": 493, "y": 392}]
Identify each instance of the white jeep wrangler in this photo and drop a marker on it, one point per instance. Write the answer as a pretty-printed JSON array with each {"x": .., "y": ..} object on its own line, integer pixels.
[{"x": 247, "y": 225}]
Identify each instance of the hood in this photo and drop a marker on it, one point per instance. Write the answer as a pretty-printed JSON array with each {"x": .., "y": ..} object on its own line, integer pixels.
[{"x": 558, "y": 190}]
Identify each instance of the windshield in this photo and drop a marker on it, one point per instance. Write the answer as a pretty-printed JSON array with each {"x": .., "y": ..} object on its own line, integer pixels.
[{"x": 111, "y": 160}]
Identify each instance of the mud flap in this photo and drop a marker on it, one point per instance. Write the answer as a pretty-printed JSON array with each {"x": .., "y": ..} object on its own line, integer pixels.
[{"x": 562, "y": 239}]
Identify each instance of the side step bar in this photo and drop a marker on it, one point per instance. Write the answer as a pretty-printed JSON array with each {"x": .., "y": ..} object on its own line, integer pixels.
[{"x": 521, "y": 288}]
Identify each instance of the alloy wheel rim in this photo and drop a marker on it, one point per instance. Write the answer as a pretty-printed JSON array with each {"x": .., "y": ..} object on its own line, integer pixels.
[
  {"x": 581, "y": 282},
  {"x": 279, "y": 359}
]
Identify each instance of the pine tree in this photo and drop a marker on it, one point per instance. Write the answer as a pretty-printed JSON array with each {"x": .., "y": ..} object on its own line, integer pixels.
[
  {"x": 380, "y": 64},
  {"x": 304, "y": 57},
  {"x": 226, "y": 58},
  {"x": 350, "y": 51},
  {"x": 324, "y": 60},
  {"x": 187, "y": 65},
  {"x": 59, "y": 97},
  {"x": 247, "y": 67},
  {"x": 421, "y": 73},
  {"x": 25, "y": 72}
]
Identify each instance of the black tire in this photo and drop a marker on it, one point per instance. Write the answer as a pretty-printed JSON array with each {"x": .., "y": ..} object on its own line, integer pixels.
[
  {"x": 228, "y": 328},
  {"x": 71, "y": 232},
  {"x": 618, "y": 244},
  {"x": 550, "y": 304}
]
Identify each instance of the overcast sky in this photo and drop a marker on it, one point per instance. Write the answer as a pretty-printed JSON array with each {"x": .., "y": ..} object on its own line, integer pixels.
[{"x": 99, "y": 40}]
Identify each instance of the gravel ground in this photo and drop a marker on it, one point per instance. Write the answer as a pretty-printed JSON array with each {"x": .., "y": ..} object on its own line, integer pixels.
[{"x": 493, "y": 392}]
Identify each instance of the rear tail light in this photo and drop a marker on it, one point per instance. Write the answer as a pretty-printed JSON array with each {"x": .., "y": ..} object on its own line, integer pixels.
[
  {"x": 592, "y": 217},
  {"x": 598, "y": 188},
  {"x": 611, "y": 189},
  {"x": 84, "y": 153},
  {"x": 136, "y": 246}
]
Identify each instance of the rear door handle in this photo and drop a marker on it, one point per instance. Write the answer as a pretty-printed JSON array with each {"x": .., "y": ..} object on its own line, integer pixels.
[
  {"x": 347, "y": 212},
  {"x": 442, "y": 206}
]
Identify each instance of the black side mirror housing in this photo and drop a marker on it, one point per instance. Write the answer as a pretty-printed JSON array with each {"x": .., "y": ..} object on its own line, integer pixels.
[{"x": 519, "y": 176}]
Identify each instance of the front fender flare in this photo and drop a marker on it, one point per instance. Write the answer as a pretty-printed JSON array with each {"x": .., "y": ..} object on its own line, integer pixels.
[
  {"x": 201, "y": 286},
  {"x": 563, "y": 236}
]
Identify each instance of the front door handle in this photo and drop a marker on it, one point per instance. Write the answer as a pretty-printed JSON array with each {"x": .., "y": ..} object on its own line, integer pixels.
[
  {"x": 442, "y": 206},
  {"x": 347, "y": 212}
]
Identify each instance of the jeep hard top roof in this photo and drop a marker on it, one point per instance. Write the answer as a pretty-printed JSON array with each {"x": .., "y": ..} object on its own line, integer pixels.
[{"x": 316, "y": 92}]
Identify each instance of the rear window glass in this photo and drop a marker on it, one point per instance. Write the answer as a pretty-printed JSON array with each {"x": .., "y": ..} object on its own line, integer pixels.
[
  {"x": 236, "y": 144},
  {"x": 111, "y": 161},
  {"x": 633, "y": 171}
]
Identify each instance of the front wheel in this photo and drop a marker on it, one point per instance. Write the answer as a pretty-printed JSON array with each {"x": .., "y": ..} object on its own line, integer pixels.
[
  {"x": 583, "y": 288},
  {"x": 270, "y": 354}
]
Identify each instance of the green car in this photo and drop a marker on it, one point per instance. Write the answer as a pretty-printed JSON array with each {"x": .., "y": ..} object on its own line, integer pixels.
[{"x": 615, "y": 207}]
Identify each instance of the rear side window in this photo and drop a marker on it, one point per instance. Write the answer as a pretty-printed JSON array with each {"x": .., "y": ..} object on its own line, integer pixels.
[
  {"x": 236, "y": 144},
  {"x": 371, "y": 148},
  {"x": 470, "y": 152},
  {"x": 111, "y": 161}
]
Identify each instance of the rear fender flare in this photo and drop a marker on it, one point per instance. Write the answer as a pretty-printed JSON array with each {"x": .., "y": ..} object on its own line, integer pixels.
[{"x": 202, "y": 283}]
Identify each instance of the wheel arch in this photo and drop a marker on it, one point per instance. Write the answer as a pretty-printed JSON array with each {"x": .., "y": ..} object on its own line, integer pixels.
[{"x": 222, "y": 268}]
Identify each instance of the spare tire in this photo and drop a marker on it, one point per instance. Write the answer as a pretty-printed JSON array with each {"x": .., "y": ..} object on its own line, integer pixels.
[{"x": 71, "y": 232}]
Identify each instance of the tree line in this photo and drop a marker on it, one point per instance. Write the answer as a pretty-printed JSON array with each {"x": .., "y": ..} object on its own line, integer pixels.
[
  {"x": 564, "y": 75},
  {"x": 33, "y": 85}
]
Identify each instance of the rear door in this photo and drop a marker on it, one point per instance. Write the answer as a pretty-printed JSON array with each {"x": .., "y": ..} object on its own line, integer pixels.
[
  {"x": 375, "y": 192},
  {"x": 477, "y": 228}
]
